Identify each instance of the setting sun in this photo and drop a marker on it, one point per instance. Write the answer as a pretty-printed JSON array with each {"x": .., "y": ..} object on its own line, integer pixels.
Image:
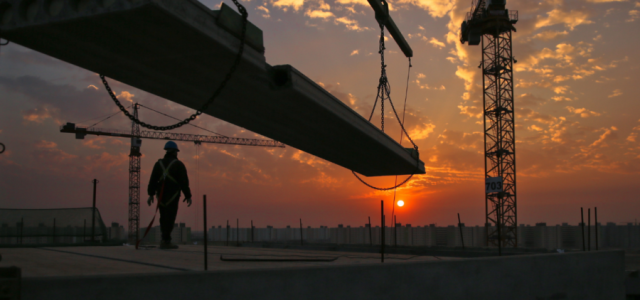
[{"x": 400, "y": 203}]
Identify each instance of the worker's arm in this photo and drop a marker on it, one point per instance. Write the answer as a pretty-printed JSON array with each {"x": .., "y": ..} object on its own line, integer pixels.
[
  {"x": 152, "y": 188},
  {"x": 183, "y": 181}
]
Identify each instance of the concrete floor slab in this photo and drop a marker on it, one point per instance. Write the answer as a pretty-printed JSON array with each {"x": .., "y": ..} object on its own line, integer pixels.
[
  {"x": 70, "y": 273},
  {"x": 78, "y": 261}
]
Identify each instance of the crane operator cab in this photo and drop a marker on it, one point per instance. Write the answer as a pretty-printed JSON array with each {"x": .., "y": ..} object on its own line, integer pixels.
[{"x": 483, "y": 18}]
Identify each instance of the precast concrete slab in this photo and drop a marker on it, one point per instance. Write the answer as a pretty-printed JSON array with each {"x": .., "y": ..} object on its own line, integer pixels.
[
  {"x": 181, "y": 50},
  {"x": 176, "y": 274}
]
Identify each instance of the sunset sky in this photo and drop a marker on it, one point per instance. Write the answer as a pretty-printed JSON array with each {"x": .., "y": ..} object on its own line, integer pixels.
[{"x": 577, "y": 125}]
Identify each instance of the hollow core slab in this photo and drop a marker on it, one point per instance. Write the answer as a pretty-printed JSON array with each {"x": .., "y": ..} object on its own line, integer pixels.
[{"x": 181, "y": 50}]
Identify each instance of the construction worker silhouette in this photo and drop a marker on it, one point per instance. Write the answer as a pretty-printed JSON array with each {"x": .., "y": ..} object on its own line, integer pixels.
[{"x": 168, "y": 179}]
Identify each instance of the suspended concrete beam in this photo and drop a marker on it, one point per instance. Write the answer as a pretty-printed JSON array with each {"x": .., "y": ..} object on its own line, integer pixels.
[{"x": 181, "y": 50}]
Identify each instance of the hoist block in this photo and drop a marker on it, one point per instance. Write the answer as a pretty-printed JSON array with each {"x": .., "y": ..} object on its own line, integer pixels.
[{"x": 181, "y": 50}]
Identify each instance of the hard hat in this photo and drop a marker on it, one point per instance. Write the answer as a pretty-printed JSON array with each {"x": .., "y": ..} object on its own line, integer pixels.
[{"x": 170, "y": 145}]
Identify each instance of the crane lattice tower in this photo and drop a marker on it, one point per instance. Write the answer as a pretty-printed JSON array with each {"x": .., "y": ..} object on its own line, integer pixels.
[
  {"x": 491, "y": 24},
  {"x": 134, "y": 180}
]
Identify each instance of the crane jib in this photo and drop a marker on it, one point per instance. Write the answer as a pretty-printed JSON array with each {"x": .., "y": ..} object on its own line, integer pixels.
[{"x": 185, "y": 137}]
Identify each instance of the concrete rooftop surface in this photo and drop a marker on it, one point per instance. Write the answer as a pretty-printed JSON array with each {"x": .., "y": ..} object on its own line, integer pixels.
[
  {"x": 121, "y": 272},
  {"x": 79, "y": 261}
]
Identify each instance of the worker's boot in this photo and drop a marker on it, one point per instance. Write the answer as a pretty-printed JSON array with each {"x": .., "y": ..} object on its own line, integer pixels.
[{"x": 168, "y": 245}]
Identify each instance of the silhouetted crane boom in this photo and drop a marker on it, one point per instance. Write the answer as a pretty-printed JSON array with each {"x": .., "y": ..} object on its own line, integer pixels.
[{"x": 174, "y": 136}]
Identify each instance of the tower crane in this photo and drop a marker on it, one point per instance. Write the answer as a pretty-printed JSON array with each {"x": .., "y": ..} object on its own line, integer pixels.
[
  {"x": 490, "y": 24},
  {"x": 136, "y": 136}
]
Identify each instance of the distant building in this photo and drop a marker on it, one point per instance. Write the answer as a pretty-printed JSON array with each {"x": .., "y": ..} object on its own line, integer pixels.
[
  {"x": 116, "y": 232},
  {"x": 540, "y": 236}
]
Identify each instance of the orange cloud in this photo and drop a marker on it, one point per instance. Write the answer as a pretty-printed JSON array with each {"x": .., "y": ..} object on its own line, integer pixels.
[
  {"x": 350, "y": 24},
  {"x": 570, "y": 19},
  {"x": 285, "y": 4},
  {"x": 560, "y": 98},
  {"x": 549, "y": 35},
  {"x": 360, "y": 2},
  {"x": 319, "y": 14},
  {"x": 471, "y": 111},
  {"x": 265, "y": 11},
  {"x": 105, "y": 161},
  {"x": 39, "y": 115},
  {"x": 583, "y": 112},
  {"x": 46, "y": 145},
  {"x": 422, "y": 132},
  {"x": 560, "y": 89},
  {"x": 433, "y": 41},
  {"x": 468, "y": 75},
  {"x": 436, "y": 8},
  {"x": 534, "y": 128},
  {"x": 126, "y": 96},
  {"x": 615, "y": 93},
  {"x": 633, "y": 15}
]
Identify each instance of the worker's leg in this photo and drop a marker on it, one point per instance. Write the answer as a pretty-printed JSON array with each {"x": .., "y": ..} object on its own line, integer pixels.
[{"x": 167, "y": 219}]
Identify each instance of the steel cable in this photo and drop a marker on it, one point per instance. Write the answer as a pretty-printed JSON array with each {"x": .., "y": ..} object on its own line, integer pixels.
[
  {"x": 406, "y": 93},
  {"x": 384, "y": 91},
  {"x": 166, "y": 115},
  {"x": 107, "y": 118},
  {"x": 216, "y": 93}
]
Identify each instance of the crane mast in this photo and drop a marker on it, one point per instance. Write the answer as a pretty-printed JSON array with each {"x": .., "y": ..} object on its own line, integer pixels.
[
  {"x": 134, "y": 180},
  {"x": 136, "y": 136},
  {"x": 490, "y": 25}
]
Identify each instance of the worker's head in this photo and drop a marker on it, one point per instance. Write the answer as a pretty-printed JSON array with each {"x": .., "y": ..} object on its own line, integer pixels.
[{"x": 171, "y": 146}]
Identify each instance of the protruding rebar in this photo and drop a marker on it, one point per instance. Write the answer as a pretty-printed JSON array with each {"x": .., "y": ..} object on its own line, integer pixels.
[
  {"x": 301, "y": 238},
  {"x": 460, "y": 226},
  {"x": 54, "y": 230},
  {"x": 370, "y": 234},
  {"x": 584, "y": 246},
  {"x": 93, "y": 212},
  {"x": 589, "y": 229},
  {"x": 395, "y": 231},
  {"x": 382, "y": 227},
  {"x": 595, "y": 212},
  {"x": 206, "y": 237}
]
